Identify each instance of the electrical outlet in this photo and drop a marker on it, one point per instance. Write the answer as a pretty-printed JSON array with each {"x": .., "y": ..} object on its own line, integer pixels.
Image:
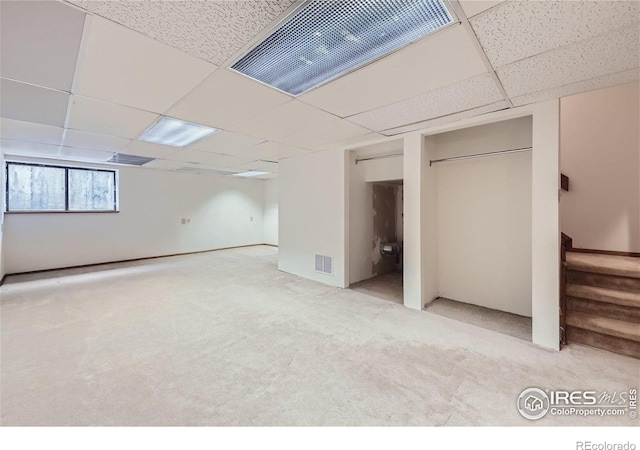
[
  {"x": 184, "y": 221},
  {"x": 189, "y": 220}
]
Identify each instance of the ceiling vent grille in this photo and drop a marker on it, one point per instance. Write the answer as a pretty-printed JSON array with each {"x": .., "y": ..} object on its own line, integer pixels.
[
  {"x": 327, "y": 39},
  {"x": 324, "y": 264},
  {"x": 130, "y": 160}
]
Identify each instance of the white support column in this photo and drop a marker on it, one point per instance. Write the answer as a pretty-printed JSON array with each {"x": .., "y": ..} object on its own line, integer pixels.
[
  {"x": 412, "y": 210},
  {"x": 419, "y": 257},
  {"x": 545, "y": 227}
]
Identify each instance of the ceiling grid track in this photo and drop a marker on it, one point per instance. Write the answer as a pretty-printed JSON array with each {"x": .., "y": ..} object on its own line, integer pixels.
[{"x": 464, "y": 21}]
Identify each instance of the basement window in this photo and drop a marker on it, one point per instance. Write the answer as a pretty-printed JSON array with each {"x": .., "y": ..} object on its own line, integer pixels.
[
  {"x": 45, "y": 188},
  {"x": 327, "y": 39}
]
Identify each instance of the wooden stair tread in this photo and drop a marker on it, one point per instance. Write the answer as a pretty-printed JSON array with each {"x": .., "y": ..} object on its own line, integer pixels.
[
  {"x": 623, "y": 298},
  {"x": 604, "y": 325},
  {"x": 624, "y": 266}
]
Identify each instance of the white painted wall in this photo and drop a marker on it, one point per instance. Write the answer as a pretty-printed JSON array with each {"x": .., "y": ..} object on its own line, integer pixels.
[
  {"x": 600, "y": 153},
  {"x": 383, "y": 169},
  {"x": 270, "y": 215},
  {"x": 360, "y": 221},
  {"x": 224, "y": 212},
  {"x": 484, "y": 217},
  {"x": 2, "y": 208},
  {"x": 313, "y": 198}
]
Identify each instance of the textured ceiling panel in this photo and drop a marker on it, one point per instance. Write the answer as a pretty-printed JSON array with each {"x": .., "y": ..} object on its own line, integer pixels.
[
  {"x": 284, "y": 120},
  {"x": 108, "y": 118},
  {"x": 40, "y": 42},
  {"x": 226, "y": 143},
  {"x": 336, "y": 130},
  {"x": 30, "y": 103},
  {"x": 519, "y": 29},
  {"x": 575, "y": 88},
  {"x": 31, "y": 132},
  {"x": 448, "y": 119},
  {"x": 104, "y": 142},
  {"x": 225, "y": 99},
  {"x": 442, "y": 58},
  {"x": 211, "y": 30},
  {"x": 614, "y": 52},
  {"x": 468, "y": 94},
  {"x": 124, "y": 67},
  {"x": 474, "y": 7}
]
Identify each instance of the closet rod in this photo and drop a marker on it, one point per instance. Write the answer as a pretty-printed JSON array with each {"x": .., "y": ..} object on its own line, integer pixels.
[
  {"x": 379, "y": 157},
  {"x": 480, "y": 155}
]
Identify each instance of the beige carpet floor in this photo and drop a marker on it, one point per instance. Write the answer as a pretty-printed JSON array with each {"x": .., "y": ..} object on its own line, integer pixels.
[{"x": 223, "y": 338}]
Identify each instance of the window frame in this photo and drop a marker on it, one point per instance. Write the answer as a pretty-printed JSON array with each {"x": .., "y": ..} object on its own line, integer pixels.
[{"x": 116, "y": 189}]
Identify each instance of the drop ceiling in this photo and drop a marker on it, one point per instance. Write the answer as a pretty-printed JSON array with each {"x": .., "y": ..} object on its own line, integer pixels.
[{"x": 81, "y": 80}]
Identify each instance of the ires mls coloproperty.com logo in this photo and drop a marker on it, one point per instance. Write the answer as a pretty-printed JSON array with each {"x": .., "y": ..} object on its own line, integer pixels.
[{"x": 535, "y": 403}]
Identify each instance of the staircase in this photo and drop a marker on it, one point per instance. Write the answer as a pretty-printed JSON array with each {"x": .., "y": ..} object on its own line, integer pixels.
[{"x": 601, "y": 305}]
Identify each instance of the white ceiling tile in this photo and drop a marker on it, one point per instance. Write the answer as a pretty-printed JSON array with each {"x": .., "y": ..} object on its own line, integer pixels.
[
  {"x": 472, "y": 93},
  {"x": 262, "y": 166},
  {"x": 124, "y": 67},
  {"x": 225, "y": 99},
  {"x": 474, "y": 7},
  {"x": 188, "y": 155},
  {"x": 108, "y": 118},
  {"x": 148, "y": 149},
  {"x": 448, "y": 119},
  {"x": 163, "y": 164},
  {"x": 226, "y": 143},
  {"x": 315, "y": 137},
  {"x": 103, "y": 142},
  {"x": 269, "y": 176},
  {"x": 521, "y": 29},
  {"x": 31, "y": 132},
  {"x": 82, "y": 154},
  {"x": 614, "y": 52},
  {"x": 350, "y": 141},
  {"x": 218, "y": 161},
  {"x": 53, "y": 151},
  {"x": 442, "y": 58},
  {"x": 626, "y": 76},
  {"x": 211, "y": 30},
  {"x": 275, "y": 151},
  {"x": 284, "y": 120},
  {"x": 35, "y": 149},
  {"x": 30, "y": 103},
  {"x": 381, "y": 148},
  {"x": 39, "y": 42}
]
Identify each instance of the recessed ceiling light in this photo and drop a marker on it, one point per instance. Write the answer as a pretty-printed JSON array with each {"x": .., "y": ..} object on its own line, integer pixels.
[
  {"x": 327, "y": 39},
  {"x": 175, "y": 132},
  {"x": 250, "y": 173}
]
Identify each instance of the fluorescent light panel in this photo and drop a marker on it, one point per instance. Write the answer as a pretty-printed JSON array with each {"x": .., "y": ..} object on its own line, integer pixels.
[
  {"x": 250, "y": 173},
  {"x": 175, "y": 132},
  {"x": 327, "y": 39}
]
